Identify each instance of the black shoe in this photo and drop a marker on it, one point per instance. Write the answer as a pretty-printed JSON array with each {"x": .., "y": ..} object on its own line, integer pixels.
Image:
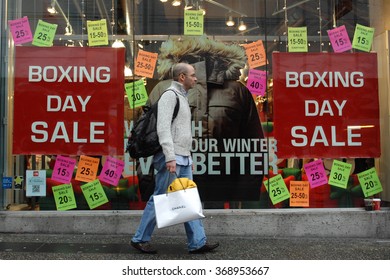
[
  {"x": 205, "y": 248},
  {"x": 144, "y": 247}
]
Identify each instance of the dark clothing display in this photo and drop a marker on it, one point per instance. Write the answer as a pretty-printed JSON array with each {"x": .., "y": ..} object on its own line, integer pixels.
[{"x": 225, "y": 111}]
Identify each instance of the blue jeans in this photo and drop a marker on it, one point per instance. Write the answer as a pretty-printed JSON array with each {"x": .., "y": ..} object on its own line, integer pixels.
[{"x": 196, "y": 236}]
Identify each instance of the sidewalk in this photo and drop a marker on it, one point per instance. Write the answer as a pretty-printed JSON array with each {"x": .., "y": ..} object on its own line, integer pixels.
[
  {"x": 263, "y": 223},
  {"x": 117, "y": 247}
]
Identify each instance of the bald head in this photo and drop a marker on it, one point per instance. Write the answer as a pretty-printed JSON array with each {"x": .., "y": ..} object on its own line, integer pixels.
[
  {"x": 179, "y": 69},
  {"x": 184, "y": 73}
]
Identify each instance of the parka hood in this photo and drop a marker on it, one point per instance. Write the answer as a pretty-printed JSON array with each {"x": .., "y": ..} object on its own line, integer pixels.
[{"x": 222, "y": 61}]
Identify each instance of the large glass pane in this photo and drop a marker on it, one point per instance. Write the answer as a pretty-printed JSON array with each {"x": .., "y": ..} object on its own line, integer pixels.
[{"x": 232, "y": 45}]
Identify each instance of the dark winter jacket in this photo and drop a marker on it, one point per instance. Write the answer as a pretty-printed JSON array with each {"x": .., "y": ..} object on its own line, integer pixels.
[{"x": 226, "y": 110}]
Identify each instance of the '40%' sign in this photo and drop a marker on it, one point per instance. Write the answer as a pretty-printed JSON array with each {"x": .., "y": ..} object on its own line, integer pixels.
[{"x": 112, "y": 171}]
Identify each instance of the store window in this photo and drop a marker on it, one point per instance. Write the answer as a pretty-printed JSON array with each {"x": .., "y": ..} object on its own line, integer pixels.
[{"x": 274, "y": 114}]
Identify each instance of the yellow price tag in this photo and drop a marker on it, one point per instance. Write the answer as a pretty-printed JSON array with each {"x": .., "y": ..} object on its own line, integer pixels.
[
  {"x": 97, "y": 32},
  {"x": 297, "y": 39},
  {"x": 193, "y": 22}
]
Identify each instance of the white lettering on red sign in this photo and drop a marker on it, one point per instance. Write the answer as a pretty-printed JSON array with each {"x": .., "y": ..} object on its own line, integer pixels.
[
  {"x": 313, "y": 108},
  {"x": 72, "y": 74},
  {"x": 54, "y": 103},
  {"x": 60, "y": 132},
  {"x": 300, "y": 139},
  {"x": 325, "y": 79}
]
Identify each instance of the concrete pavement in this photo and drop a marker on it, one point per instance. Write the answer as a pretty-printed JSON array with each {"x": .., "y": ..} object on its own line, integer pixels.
[
  {"x": 116, "y": 247},
  {"x": 263, "y": 223}
]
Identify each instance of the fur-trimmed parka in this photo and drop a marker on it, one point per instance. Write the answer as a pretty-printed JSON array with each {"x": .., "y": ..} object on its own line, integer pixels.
[{"x": 225, "y": 110}]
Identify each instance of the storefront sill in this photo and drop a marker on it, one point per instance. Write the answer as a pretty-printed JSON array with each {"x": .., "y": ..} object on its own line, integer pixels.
[{"x": 321, "y": 222}]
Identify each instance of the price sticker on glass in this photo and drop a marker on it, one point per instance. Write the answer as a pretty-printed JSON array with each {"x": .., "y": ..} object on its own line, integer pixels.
[
  {"x": 277, "y": 189},
  {"x": 97, "y": 32},
  {"x": 255, "y": 53},
  {"x": 363, "y": 37},
  {"x": 64, "y": 197},
  {"x": 145, "y": 64},
  {"x": 63, "y": 169},
  {"x": 136, "y": 93},
  {"x": 316, "y": 174},
  {"x": 339, "y": 39},
  {"x": 20, "y": 30},
  {"x": 257, "y": 82},
  {"x": 369, "y": 182},
  {"x": 87, "y": 168},
  {"x": 112, "y": 170},
  {"x": 193, "y": 22},
  {"x": 299, "y": 193},
  {"x": 44, "y": 34},
  {"x": 297, "y": 39},
  {"x": 94, "y": 194},
  {"x": 339, "y": 174}
]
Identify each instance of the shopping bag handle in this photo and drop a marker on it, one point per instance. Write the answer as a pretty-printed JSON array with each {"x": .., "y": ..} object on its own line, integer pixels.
[{"x": 181, "y": 183}]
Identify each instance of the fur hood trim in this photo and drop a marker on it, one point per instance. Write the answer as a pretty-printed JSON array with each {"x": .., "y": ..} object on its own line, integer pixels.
[{"x": 193, "y": 49}]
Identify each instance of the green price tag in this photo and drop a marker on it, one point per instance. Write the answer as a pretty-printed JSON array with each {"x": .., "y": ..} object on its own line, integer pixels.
[
  {"x": 297, "y": 39},
  {"x": 193, "y": 22},
  {"x": 64, "y": 197},
  {"x": 94, "y": 194},
  {"x": 97, "y": 33},
  {"x": 277, "y": 189},
  {"x": 369, "y": 182},
  {"x": 136, "y": 93},
  {"x": 363, "y": 37},
  {"x": 339, "y": 174},
  {"x": 44, "y": 34}
]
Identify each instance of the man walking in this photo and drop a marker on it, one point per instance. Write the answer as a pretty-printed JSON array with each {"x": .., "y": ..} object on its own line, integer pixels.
[{"x": 175, "y": 138}]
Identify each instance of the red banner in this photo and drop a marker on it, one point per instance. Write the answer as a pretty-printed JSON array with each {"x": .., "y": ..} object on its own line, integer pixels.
[
  {"x": 326, "y": 105},
  {"x": 69, "y": 101}
]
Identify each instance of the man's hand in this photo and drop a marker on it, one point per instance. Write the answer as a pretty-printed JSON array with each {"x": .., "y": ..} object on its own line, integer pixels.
[{"x": 171, "y": 166}]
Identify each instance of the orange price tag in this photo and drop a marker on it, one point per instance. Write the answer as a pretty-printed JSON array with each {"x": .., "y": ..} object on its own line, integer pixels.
[
  {"x": 256, "y": 54},
  {"x": 145, "y": 64},
  {"x": 87, "y": 169},
  {"x": 299, "y": 193}
]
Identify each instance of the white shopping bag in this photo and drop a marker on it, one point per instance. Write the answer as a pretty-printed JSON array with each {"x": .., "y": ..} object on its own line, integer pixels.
[{"x": 177, "y": 207}]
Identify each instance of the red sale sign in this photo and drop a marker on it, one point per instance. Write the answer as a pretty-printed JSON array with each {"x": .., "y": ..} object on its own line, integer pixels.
[
  {"x": 326, "y": 105},
  {"x": 68, "y": 101}
]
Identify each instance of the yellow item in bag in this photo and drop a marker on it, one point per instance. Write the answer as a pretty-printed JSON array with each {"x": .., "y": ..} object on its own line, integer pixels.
[{"x": 180, "y": 184}]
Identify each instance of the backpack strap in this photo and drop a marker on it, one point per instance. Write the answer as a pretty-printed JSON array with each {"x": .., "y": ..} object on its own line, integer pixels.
[
  {"x": 176, "y": 111},
  {"x": 177, "y": 106}
]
